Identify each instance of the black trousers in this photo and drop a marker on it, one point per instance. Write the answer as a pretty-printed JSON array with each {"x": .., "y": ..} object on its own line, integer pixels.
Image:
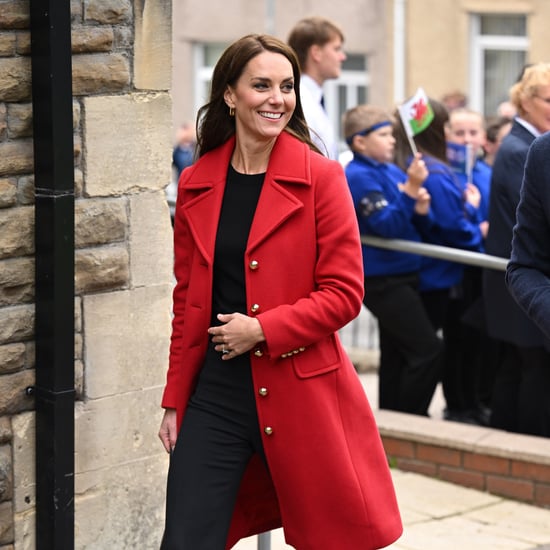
[
  {"x": 410, "y": 351},
  {"x": 217, "y": 439},
  {"x": 520, "y": 395}
]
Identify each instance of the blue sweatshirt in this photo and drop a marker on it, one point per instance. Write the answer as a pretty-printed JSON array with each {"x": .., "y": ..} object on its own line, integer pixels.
[
  {"x": 384, "y": 211},
  {"x": 452, "y": 226},
  {"x": 481, "y": 176}
]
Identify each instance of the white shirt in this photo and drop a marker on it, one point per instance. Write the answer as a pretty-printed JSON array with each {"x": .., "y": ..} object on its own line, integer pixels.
[{"x": 321, "y": 130}]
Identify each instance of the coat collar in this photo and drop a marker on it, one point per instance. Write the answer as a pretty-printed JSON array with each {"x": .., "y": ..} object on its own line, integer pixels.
[{"x": 289, "y": 166}]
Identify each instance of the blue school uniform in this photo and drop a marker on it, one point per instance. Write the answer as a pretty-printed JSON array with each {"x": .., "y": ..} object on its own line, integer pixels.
[{"x": 384, "y": 211}]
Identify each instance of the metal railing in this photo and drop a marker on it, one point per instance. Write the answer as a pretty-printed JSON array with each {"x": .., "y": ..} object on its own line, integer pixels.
[{"x": 466, "y": 257}]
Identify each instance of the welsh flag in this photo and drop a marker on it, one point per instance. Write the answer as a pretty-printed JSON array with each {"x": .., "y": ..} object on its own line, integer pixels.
[{"x": 416, "y": 113}]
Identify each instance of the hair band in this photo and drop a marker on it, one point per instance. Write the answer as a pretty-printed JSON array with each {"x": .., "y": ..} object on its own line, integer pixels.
[{"x": 368, "y": 130}]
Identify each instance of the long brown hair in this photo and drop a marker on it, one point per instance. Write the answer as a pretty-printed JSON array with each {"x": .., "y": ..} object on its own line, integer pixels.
[
  {"x": 430, "y": 141},
  {"x": 214, "y": 124}
]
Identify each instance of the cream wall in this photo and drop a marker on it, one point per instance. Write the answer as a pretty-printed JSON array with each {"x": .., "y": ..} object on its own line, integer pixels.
[{"x": 437, "y": 37}]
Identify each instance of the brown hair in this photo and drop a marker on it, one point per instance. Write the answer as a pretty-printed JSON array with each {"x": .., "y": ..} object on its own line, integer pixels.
[
  {"x": 214, "y": 124},
  {"x": 430, "y": 142},
  {"x": 312, "y": 31}
]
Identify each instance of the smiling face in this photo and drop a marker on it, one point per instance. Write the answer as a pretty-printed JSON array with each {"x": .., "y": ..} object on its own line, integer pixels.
[{"x": 263, "y": 97}]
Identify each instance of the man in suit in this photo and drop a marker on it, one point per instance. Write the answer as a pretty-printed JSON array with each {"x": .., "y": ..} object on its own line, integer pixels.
[
  {"x": 522, "y": 352},
  {"x": 528, "y": 273}
]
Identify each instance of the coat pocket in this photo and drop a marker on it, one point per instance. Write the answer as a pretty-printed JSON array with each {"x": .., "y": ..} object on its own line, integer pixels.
[{"x": 319, "y": 358}]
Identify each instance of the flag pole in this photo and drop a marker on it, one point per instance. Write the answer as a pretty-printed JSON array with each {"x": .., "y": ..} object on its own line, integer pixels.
[{"x": 412, "y": 145}]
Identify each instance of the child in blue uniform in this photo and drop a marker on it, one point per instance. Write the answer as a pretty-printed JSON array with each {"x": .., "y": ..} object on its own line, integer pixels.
[
  {"x": 455, "y": 211},
  {"x": 393, "y": 204}
]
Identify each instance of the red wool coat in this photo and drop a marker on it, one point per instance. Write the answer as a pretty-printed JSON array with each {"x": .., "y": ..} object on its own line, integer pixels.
[{"x": 328, "y": 483}]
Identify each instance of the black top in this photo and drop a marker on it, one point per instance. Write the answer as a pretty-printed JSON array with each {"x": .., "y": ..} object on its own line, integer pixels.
[
  {"x": 239, "y": 204},
  {"x": 225, "y": 387}
]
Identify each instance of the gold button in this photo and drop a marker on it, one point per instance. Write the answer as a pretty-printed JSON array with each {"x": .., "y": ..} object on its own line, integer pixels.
[
  {"x": 302, "y": 349},
  {"x": 262, "y": 392},
  {"x": 284, "y": 355},
  {"x": 253, "y": 264},
  {"x": 258, "y": 352},
  {"x": 254, "y": 308},
  {"x": 268, "y": 430}
]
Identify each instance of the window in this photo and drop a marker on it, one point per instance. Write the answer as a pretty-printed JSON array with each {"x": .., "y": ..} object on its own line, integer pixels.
[
  {"x": 205, "y": 58},
  {"x": 499, "y": 45},
  {"x": 349, "y": 90}
]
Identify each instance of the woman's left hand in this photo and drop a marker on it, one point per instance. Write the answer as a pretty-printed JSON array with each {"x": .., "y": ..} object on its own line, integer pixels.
[{"x": 237, "y": 335}]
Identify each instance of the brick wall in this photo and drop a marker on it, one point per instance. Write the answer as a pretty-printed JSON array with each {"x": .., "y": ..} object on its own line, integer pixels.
[
  {"x": 509, "y": 465},
  {"x": 123, "y": 261}
]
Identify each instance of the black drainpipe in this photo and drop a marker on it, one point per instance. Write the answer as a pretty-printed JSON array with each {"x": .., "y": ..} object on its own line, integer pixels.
[{"x": 54, "y": 272}]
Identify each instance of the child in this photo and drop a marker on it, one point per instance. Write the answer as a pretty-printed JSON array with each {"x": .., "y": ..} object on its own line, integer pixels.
[
  {"x": 469, "y": 362},
  {"x": 392, "y": 204},
  {"x": 455, "y": 214}
]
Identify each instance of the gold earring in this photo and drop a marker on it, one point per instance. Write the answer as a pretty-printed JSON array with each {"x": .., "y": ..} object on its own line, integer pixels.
[{"x": 231, "y": 111}]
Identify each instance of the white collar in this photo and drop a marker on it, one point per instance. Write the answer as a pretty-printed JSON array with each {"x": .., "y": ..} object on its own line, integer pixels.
[{"x": 528, "y": 126}]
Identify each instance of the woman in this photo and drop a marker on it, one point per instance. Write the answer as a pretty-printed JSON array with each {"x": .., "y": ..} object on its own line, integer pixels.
[
  {"x": 266, "y": 419},
  {"x": 518, "y": 393}
]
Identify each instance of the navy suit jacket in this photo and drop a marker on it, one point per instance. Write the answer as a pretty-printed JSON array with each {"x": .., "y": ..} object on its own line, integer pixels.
[
  {"x": 528, "y": 273},
  {"x": 506, "y": 321}
]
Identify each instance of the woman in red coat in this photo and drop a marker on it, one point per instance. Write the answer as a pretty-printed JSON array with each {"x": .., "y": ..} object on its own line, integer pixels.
[{"x": 265, "y": 418}]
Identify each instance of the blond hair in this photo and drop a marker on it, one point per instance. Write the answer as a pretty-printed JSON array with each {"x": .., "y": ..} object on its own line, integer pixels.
[{"x": 527, "y": 86}]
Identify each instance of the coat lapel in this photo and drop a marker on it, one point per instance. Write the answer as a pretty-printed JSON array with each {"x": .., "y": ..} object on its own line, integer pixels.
[
  {"x": 207, "y": 182},
  {"x": 289, "y": 163}
]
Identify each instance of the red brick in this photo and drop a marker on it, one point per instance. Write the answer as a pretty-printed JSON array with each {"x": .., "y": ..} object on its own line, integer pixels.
[
  {"x": 466, "y": 478},
  {"x": 512, "y": 488},
  {"x": 398, "y": 447},
  {"x": 424, "y": 468},
  {"x": 542, "y": 495},
  {"x": 528, "y": 470},
  {"x": 439, "y": 455},
  {"x": 484, "y": 463}
]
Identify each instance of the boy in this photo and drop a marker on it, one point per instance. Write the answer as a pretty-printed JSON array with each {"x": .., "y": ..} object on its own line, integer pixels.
[{"x": 392, "y": 204}]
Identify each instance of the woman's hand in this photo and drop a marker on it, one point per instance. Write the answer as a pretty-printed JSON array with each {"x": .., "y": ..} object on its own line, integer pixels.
[
  {"x": 237, "y": 335},
  {"x": 168, "y": 429}
]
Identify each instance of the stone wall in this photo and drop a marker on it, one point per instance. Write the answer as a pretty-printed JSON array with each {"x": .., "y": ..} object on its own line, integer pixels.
[{"x": 123, "y": 262}]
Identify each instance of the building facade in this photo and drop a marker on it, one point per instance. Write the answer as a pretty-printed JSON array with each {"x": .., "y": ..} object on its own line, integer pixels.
[{"x": 477, "y": 47}]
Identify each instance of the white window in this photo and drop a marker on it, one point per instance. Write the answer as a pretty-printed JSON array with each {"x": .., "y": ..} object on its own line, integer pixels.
[
  {"x": 499, "y": 46},
  {"x": 205, "y": 58},
  {"x": 349, "y": 90}
]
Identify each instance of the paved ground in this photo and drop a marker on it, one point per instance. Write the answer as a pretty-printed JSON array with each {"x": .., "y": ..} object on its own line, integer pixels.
[{"x": 442, "y": 516}]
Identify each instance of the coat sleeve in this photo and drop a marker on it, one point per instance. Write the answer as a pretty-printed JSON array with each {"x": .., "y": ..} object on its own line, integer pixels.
[
  {"x": 335, "y": 297},
  {"x": 528, "y": 272},
  {"x": 182, "y": 248}
]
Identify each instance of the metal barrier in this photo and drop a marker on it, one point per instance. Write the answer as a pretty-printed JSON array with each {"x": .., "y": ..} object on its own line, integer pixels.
[
  {"x": 434, "y": 251},
  {"x": 440, "y": 252}
]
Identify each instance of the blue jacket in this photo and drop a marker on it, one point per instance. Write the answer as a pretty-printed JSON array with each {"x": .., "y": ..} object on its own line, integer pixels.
[
  {"x": 384, "y": 211},
  {"x": 452, "y": 226}
]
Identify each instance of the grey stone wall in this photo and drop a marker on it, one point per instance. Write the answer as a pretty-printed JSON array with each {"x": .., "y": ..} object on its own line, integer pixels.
[{"x": 123, "y": 263}]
